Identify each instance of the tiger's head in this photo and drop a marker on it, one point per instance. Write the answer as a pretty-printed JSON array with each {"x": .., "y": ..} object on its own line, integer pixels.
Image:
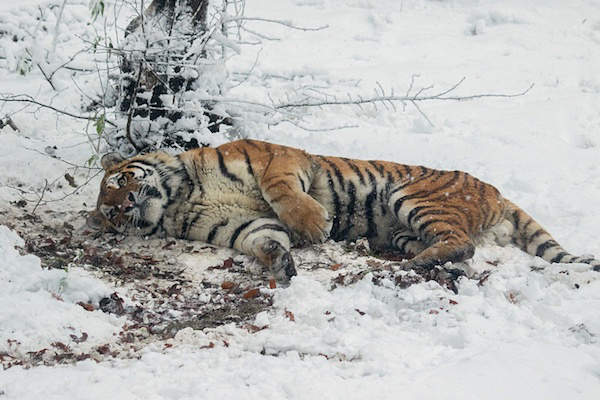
[{"x": 133, "y": 194}]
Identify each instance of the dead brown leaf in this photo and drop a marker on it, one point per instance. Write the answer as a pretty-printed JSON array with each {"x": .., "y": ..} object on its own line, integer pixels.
[
  {"x": 252, "y": 293},
  {"x": 86, "y": 306},
  {"x": 227, "y": 285},
  {"x": 290, "y": 315}
]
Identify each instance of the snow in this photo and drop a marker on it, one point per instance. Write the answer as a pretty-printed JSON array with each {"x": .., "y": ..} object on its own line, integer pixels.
[
  {"x": 39, "y": 305},
  {"x": 522, "y": 333}
]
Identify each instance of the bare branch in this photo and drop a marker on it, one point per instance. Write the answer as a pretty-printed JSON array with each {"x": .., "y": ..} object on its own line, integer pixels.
[
  {"x": 46, "y": 76},
  {"x": 275, "y": 21},
  {"x": 41, "y": 196},
  {"x": 23, "y": 98},
  {"x": 421, "y": 112},
  {"x": 359, "y": 100}
]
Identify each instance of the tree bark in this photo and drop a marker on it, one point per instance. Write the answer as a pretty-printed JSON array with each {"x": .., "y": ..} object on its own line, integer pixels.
[{"x": 163, "y": 72}]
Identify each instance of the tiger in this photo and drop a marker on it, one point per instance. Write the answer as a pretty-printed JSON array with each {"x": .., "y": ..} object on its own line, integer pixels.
[{"x": 261, "y": 199}]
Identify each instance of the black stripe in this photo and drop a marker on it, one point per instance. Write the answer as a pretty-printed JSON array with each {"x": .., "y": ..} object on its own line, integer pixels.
[
  {"x": 302, "y": 183},
  {"x": 143, "y": 162},
  {"x": 425, "y": 224},
  {"x": 409, "y": 181},
  {"x": 356, "y": 170},
  {"x": 157, "y": 227},
  {"x": 252, "y": 143},
  {"x": 459, "y": 211},
  {"x": 237, "y": 232},
  {"x": 557, "y": 258},
  {"x": 248, "y": 163},
  {"x": 409, "y": 239},
  {"x": 397, "y": 205},
  {"x": 407, "y": 170},
  {"x": 214, "y": 229},
  {"x": 224, "y": 169},
  {"x": 198, "y": 182},
  {"x": 527, "y": 224},
  {"x": 272, "y": 227},
  {"x": 153, "y": 192},
  {"x": 535, "y": 234},
  {"x": 377, "y": 166},
  {"x": 337, "y": 207},
  {"x": 449, "y": 218},
  {"x": 166, "y": 187},
  {"x": 349, "y": 210},
  {"x": 515, "y": 215},
  {"x": 336, "y": 171},
  {"x": 413, "y": 213},
  {"x": 397, "y": 170},
  {"x": 131, "y": 166},
  {"x": 189, "y": 224},
  {"x": 541, "y": 249},
  {"x": 184, "y": 228},
  {"x": 424, "y": 193},
  {"x": 371, "y": 226},
  {"x": 585, "y": 260}
]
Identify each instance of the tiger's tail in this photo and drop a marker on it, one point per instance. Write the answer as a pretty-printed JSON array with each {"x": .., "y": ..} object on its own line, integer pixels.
[{"x": 535, "y": 240}]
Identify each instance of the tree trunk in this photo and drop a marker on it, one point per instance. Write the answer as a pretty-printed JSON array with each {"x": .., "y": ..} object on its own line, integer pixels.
[{"x": 157, "y": 82}]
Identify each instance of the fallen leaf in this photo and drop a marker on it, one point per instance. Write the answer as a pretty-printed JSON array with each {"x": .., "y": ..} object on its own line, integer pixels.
[
  {"x": 227, "y": 285},
  {"x": 86, "y": 306},
  {"x": 335, "y": 267},
  {"x": 272, "y": 284},
  {"x": 253, "y": 328},
  {"x": 290, "y": 315},
  {"x": 61, "y": 346},
  {"x": 81, "y": 339},
  {"x": 104, "y": 349},
  {"x": 252, "y": 293}
]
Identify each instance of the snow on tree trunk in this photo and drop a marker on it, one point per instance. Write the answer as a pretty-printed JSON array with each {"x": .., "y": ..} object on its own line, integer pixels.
[{"x": 170, "y": 67}]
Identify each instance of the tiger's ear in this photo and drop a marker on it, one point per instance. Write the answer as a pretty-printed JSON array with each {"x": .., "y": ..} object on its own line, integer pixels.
[
  {"x": 95, "y": 220},
  {"x": 110, "y": 159}
]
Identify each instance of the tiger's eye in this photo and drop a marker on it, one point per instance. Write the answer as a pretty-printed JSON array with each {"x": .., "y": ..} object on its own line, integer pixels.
[{"x": 122, "y": 181}]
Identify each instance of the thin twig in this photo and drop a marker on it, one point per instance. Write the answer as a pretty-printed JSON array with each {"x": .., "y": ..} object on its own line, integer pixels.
[
  {"x": 41, "y": 196},
  {"x": 62, "y": 160},
  {"x": 46, "y": 76},
  {"x": 358, "y": 100},
  {"x": 28, "y": 99},
  {"x": 276, "y": 21}
]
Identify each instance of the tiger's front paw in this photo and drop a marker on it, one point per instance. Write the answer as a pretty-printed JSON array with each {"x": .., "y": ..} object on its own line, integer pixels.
[{"x": 310, "y": 221}]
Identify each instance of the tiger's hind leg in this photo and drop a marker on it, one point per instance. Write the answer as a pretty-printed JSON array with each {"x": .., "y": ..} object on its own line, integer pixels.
[
  {"x": 441, "y": 241},
  {"x": 439, "y": 225},
  {"x": 268, "y": 240},
  {"x": 407, "y": 242}
]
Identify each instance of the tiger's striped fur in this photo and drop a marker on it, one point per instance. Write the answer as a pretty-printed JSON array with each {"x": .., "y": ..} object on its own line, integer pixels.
[{"x": 260, "y": 198}]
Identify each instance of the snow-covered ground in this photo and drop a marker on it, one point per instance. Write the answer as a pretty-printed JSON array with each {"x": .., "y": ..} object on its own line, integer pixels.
[{"x": 520, "y": 332}]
